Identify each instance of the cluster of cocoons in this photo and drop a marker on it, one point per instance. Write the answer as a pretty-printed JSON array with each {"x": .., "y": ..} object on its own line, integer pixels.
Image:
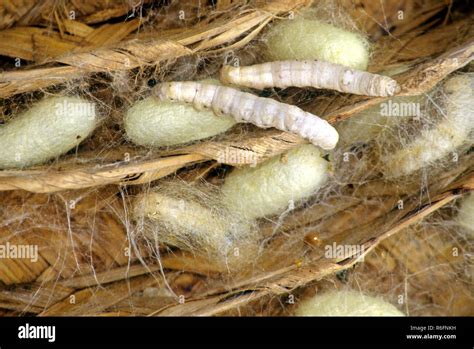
[
  {"x": 214, "y": 224},
  {"x": 346, "y": 303},
  {"x": 222, "y": 224},
  {"x": 165, "y": 122},
  {"x": 250, "y": 193},
  {"x": 307, "y": 39},
  {"x": 45, "y": 131}
]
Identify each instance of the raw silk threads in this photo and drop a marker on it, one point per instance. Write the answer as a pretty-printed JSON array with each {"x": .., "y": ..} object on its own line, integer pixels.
[
  {"x": 453, "y": 130},
  {"x": 48, "y": 129},
  {"x": 306, "y": 39},
  {"x": 346, "y": 303},
  {"x": 317, "y": 74},
  {"x": 247, "y": 108},
  {"x": 275, "y": 185},
  {"x": 194, "y": 219},
  {"x": 375, "y": 121},
  {"x": 154, "y": 122}
]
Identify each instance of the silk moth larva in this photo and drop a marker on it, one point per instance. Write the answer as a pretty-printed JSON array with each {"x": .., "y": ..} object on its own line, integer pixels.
[
  {"x": 269, "y": 188},
  {"x": 318, "y": 74},
  {"x": 301, "y": 38},
  {"x": 346, "y": 303},
  {"x": 248, "y": 108},
  {"x": 451, "y": 132},
  {"x": 48, "y": 129}
]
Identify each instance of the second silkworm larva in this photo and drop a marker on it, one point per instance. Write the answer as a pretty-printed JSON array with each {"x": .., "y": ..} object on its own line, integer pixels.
[
  {"x": 248, "y": 108},
  {"x": 318, "y": 74}
]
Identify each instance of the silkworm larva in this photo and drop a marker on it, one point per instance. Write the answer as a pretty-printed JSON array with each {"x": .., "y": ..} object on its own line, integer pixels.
[
  {"x": 451, "y": 132},
  {"x": 268, "y": 188},
  {"x": 48, "y": 129},
  {"x": 346, "y": 303},
  {"x": 248, "y": 108},
  {"x": 318, "y": 74}
]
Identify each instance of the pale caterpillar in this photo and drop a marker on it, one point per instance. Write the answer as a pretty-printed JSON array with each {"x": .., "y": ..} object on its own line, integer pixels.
[
  {"x": 451, "y": 132},
  {"x": 152, "y": 122},
  {"x": 346, "y": 303},
  {"x": 248, "y": 108},
  {"x": 317, "y": 74},
  {"x": 46, "y": 130}
]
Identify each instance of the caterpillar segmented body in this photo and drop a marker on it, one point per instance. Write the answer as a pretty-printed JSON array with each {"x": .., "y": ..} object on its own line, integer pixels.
[
  {"x": 248, "y": 108},
  {"x": 318, "y": 74}
]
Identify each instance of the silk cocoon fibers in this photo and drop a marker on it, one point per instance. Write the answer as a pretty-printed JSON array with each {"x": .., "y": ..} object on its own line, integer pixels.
[
  {"x": 346, "y": 303},
  {"x": 48, "y": 129},
  {"x": 270, "y": 187},
  {"x": 307, "y": 39},
  {"x": 194, "y": 219},
  {"x": 368, "y": 124},
  {"x": 156, "y": 123},
  {"x": 453, "y": 130}
]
